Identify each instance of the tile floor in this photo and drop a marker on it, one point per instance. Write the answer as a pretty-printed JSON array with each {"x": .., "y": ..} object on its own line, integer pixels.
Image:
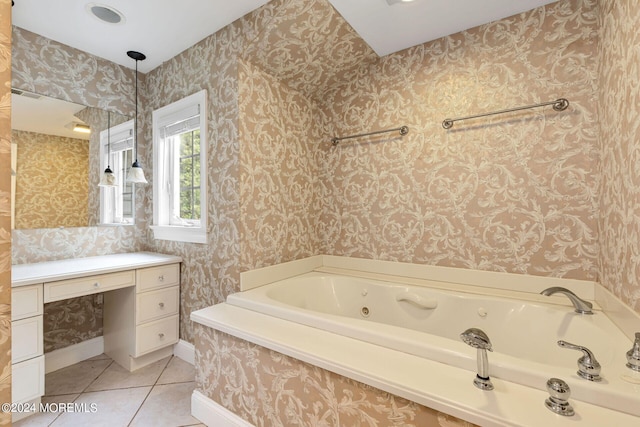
[{"x": 158, "y": 395}]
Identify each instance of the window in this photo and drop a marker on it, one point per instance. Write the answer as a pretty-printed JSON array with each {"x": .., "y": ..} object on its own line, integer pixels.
[
  {"x": 117, "y": 204},
  {"x": 179, "y": 173}
]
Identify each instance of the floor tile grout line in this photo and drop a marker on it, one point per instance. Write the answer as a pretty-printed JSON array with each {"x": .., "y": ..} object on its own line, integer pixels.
[
  {"x": 150, "y": 391},
  {"x": 156, "y": 383},
  {"x": 96, "y": 378},
  {"x": 140, "y": 406},
  {"x": 80, "y": 394}
]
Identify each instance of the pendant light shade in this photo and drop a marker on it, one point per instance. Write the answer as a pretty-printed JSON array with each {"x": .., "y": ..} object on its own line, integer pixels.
[
  {"x": 108, "y": 179},
  {"x": 136, "y": 174}
]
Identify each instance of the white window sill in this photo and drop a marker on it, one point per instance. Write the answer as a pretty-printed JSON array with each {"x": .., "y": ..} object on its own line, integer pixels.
[{"x": 179, "y": 234}]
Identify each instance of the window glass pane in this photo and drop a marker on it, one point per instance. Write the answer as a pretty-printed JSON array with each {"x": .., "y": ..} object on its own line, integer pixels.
[
  {"x": 196, "y": 202},
  {"x": 186, "y": 172},
  {"x": 186, "y": 204},
  {"x": 186, "y": 144},
  {"x": 189, "y": 178},
  {"x": 196, "y": 172}
]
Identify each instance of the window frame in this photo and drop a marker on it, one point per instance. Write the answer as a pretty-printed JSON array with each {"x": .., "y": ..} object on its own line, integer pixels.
[
  {"x": 118, "y": 134},
  {"x": 164, "y": 227}
]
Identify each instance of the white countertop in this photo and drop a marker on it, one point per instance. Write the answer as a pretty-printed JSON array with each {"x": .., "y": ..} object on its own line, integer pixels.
[
  {"x": 50, "y": 271},
  {"x": 442, "y": 387}
]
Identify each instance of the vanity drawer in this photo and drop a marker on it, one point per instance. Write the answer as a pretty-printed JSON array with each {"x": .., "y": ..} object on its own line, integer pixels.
[
  {"x": 26, "y": 301},
  {"x": 56, "y": 291},
  {"x": 27, "y": 380},
  {"x": 156, "y": 304},
  {"x": 155, "y": 335},
  {"x": 157, "y": 277},
  {"x": 26, "y": 339}
]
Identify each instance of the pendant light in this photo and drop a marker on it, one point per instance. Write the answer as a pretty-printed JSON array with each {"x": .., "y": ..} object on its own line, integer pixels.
[
  {"x": 136, "y": 174},
  {"x": 108, "y": 178}
]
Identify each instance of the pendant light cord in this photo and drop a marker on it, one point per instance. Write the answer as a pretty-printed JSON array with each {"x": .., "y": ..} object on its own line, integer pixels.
[
  {"x": 135, "y": 122},
  {"x": 108, "y": 139}
]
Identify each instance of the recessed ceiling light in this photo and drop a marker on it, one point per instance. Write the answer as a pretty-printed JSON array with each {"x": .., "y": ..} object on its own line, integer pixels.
[
  {"x": 82, "y": 128},
  {"x": 105, "y": 13}
]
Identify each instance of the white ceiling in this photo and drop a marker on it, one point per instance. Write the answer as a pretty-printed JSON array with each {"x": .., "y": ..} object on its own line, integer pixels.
[
  {"x": 163, "y": 28},
  {"x": 389, "y": 28},
  {"x": 160, "y": 29},
  {"x": 45, "y": 115}
]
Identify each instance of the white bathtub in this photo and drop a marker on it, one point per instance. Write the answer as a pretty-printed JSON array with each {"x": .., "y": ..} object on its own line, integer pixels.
[{"x": 427, "y": 322}]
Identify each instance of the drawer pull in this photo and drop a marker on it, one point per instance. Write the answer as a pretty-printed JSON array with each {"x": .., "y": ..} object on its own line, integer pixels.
[
  {"x": 161, "y": 305},
  {"x": 161, "y": 335},
  {"x": 96, "y": 285},
  {"x": 161, "y": 278}
]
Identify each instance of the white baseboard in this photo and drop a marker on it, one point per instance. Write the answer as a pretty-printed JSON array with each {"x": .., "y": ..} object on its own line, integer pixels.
[
  {"x": 73, "y": 354},
  {"x": 213, "y": 414},
  {"x": 185, "y": 351}
]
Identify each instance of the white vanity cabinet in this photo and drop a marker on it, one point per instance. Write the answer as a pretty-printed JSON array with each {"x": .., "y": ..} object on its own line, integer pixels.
[
  {"x": 140, "y": 318},
  {"x": 27, "y": 359},
  {"x": 141, "y": 324}
]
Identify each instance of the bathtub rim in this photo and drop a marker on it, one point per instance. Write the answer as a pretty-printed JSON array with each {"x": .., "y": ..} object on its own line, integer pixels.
[{"x": 492, "y": 283}]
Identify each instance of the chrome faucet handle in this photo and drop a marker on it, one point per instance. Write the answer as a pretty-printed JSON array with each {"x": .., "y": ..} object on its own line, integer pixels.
[
  {"x": 558, "y": 400},
  {"x": 588, "y": 366},
  {"x": 633, "y": 355}
]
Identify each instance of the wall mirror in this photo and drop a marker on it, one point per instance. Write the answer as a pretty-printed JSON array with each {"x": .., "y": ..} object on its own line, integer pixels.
[{"x": 55, "y": 147}]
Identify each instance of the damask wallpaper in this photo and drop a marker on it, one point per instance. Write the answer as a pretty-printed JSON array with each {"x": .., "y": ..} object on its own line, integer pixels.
[
  {"x": 5, "y": 207},
  {"x": 619, "y": 106},
  {"x": 71, "y": 321},
  {"x": 514, "y": 192},
  {"x": 278, "y": 208},
  {"x": 51, "y": 188},
  {"x": 276, "y": 391}
]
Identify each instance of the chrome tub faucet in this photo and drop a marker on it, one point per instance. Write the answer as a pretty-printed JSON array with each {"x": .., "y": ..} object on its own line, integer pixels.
[{"x": 581, "y": 306}]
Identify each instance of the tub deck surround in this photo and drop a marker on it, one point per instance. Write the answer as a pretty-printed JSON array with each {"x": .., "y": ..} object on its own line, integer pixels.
[{"x": 440, "y": 384}]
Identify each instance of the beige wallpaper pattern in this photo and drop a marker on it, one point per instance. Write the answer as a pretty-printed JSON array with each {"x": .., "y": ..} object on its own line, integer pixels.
[
  {"x": 51, "y": 181},
  {"x": 307, "y": 46},
  {"x": 71, "y": 321},
  {"x": 5, "y": 208},
  {"x": 44, "y": 66},
  {"x": 269, "y": 389},
  {"x": 278, "y": 208},
  {"x": 618, "y": 102},
  {"x": 514, "y": 193}
]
